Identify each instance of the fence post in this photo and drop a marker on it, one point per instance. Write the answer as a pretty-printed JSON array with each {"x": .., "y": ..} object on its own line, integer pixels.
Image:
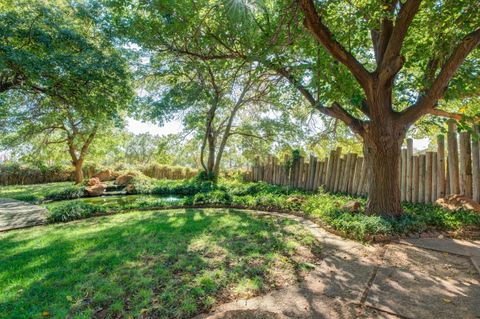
[
  {"x": 346, "y": 170},
  {"x": 416, "y": 177},
  {"x": 421, "y": 178},
  {"x": 338, "y": 173},
  {"x": 453, "y": 158},
  {"x": 403, "y": 174},
  {"x": 351, "y": 174},
  {"x": 305, "y": 172},
  {"x": 298, "y": 182},
  {"x": 409, "y": 168},
  {"x": 465, "y": 165},
  {"x": 357, "y": 175},
  {"x": 441, "y": 181},
  {"x": 476, "y": 166},
  {"x": 428, "y": 177},
  {"x": 330, "y": 166},
  {"x": 323, "y": 172},
  {"x": 313, "y": 167}
]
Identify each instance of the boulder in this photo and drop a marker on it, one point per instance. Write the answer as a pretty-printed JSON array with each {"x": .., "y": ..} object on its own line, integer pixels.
[
  {"x": 130, "y": 189},
  {"x": 106, "y": 175},
  {"x": 93, "y": 181},
  {"x": 352, "y": 206},
  {"x": 125, "y": 179},
  {"x": 96, "y": 190},
  {"x": 456, "y": 202}
]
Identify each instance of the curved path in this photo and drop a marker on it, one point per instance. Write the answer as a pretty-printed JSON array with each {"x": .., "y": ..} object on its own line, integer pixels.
[
  {"x": 17, "y": 214},
  {"x": 418, "y": 278},
  {"x": 353, "y": 280}
]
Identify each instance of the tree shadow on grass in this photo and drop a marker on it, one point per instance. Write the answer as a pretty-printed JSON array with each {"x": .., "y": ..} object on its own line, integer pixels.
[
  {"x": 408, "y": 281},
  {"x": 158, "y": 264},
  {"x": 174, "y": 264}
]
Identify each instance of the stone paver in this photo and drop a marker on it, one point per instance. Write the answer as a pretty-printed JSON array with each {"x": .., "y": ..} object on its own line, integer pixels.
[
  {"x": 454, "y": 246},
  {"x": 372, "y": 281},
  {"x": 18, "y": 214}
]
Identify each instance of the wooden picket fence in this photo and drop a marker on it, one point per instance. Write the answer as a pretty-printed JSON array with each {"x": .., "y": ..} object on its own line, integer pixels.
[
  {"x": 168, "y": 172},
  {"x": 424, "y": 177}
]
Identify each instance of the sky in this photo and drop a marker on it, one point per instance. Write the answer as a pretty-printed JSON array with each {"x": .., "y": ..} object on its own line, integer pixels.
[
  {"x": 175, "y": 126},
  {"x": 138, "y": 127}
]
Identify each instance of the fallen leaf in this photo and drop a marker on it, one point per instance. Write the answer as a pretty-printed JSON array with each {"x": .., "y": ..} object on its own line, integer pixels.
[
  {"x": 46, "y": 314},
  {"x": 445, "y": 300}
]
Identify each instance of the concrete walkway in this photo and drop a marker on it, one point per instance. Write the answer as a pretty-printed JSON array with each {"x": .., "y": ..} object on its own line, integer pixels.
[
  {"x": 411, "y": 279},
  {"x": 469, "y": 249},
  {"x": 17, "y": 214}
]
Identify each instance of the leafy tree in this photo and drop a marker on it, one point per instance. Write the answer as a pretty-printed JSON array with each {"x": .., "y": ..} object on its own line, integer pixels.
[
  {"x": 209, "y": 94},
  {"x": 49, "y": 122},
  {"x": 69, "y": 81},
  {"x": 377, "y": 66}
]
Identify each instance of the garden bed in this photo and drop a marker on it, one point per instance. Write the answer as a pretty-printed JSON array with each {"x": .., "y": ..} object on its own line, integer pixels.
[{"x": 323, "y": 208}]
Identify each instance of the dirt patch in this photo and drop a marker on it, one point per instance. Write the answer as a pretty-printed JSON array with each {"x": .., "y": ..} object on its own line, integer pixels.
[{"x": 250, "y": 314}]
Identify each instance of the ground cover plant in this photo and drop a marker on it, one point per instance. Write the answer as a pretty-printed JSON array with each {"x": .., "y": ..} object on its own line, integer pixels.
[
  {"x": 169, "y": 264},
  {"x": 324, "y": 207}
]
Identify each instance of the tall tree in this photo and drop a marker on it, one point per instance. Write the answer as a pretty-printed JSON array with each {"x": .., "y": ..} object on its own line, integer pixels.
[
  {"x": 73, "y": 82},
  {"x": 209, "y": 94},
  {"x": 377, "y": 66}
]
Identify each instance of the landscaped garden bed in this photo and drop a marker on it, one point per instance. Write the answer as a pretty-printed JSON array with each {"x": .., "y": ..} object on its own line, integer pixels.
[{"x": 324, "y": 208}]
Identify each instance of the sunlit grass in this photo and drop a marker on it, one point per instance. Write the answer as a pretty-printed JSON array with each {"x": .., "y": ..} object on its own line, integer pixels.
[
  {"x": 31, "y": 193},
  {"x": 170, "y": 264}
]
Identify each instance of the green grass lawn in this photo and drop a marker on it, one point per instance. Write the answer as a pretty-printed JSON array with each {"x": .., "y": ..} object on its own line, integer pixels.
[
  {"x": 32, "y": 193},
  {"x": 170, "y": 264}
]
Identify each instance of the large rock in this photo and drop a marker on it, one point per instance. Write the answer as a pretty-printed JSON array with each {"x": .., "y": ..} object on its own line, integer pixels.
[
  {"x": 125, "y": 179},
  {"x": 93, "y": 181},
  {"x": 456, "y": 202},
  {"x": 95, "y": 187},
  {"x": 130, "y": 189},
  {"x": 106, "y": 175}
]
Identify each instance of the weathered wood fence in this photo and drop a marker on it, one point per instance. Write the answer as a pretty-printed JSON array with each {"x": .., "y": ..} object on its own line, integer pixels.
[{"x": 424, "y": 177}]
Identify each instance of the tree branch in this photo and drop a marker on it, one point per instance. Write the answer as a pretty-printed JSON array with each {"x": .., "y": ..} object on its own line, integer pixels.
[
  {"x": 380, "y": 38},
  {"x": 427, "y": 102},
  {"x": 249, "y": 135},
  {"x": 324, "y": 36},
  {"x": 442, "y": 113},
  {"x": 335, "y": 110},
  {"x": 402, "y": 23}
]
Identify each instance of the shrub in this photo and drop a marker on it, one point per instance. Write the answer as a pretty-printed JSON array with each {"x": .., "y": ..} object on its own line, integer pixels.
[
  {"x": 71, "y": 211},
  {"x": 30, "y": 198},
  {"x": 214, "y": 197},
  {"x": 203, "y": 176},
  {"x": 70, "y": 192},
  {"x": 242, "y": 189},
  {"x": 182, "y": 188},
  {"x": 142, "y": 184}
]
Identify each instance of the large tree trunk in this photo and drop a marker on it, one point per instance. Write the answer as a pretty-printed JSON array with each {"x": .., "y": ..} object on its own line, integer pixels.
[
  {"x": 382, "y": 147},
  {"x": 211, "y": 154},
  {"x": 78, "y": 171}
]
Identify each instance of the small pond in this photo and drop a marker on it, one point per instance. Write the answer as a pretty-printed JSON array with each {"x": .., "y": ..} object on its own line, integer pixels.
[{"x": 122, "y": 200}]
